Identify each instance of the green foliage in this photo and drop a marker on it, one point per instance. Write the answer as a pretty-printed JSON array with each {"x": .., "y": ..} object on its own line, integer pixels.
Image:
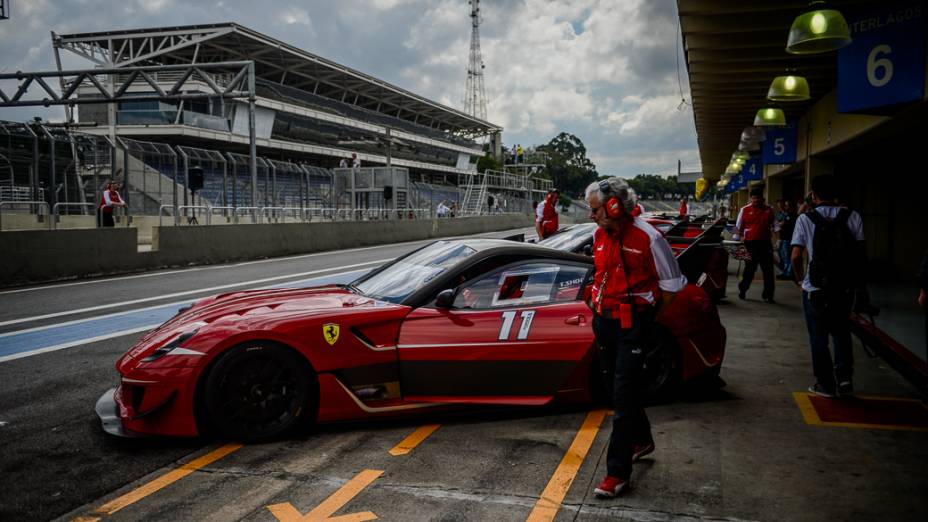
[
  {"x": 653, "y": 186},
  {"x": 568, "y": 167},
  {"x": 564, "y": 201},
  {"x": 488, "y": 162}
]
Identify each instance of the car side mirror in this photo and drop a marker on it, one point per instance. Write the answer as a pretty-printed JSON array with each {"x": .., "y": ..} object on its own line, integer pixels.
[{"x": 445, "y": 298}]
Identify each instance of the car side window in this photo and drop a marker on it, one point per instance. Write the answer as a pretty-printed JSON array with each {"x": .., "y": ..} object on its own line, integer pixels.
[{"x": 527, "y": 284}]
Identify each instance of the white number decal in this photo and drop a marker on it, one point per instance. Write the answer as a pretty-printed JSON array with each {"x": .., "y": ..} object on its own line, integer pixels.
[
  {"x": 509, "y": 317},
  {"x": 778, "y": 147},
  {"x": 882, "y": 63},
  {"x": 753, "y": 168},
  {"x": 526, "y": 325}
]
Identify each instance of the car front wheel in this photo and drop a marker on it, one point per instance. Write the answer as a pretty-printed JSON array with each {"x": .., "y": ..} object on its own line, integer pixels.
[{"x": 259, "y": 391}]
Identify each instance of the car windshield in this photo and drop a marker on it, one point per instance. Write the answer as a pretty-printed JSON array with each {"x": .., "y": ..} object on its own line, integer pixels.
[
  {"x": 570, "y": 238},
  {"x": 395, "y": 282}
]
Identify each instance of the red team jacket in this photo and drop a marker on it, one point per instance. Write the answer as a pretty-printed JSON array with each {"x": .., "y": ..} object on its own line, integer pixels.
[
  {"x": 549, "y": 220},
  {"x": 649, "y": 266},
  {"x": 756, "y": 222}
]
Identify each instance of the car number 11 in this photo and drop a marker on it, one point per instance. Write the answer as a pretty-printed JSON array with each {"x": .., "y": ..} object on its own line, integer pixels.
[{"x": 509, "y": 317}]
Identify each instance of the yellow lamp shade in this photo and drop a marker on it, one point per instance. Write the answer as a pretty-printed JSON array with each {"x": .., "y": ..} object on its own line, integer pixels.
[
  {"x": 701, "y": 186},
  {"x": 740, "y": 156},
  {"x": 788, "y": 88},
  {"x": 769, "y": 116},
  {"x": 818, "y": 31}
]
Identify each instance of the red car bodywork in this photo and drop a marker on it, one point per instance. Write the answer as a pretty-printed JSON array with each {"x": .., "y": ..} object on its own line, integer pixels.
[{"x": 391, "y": 358}]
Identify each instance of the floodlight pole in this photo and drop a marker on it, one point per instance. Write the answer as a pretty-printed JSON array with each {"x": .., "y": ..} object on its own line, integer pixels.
[{"x": 252, "y": 146}]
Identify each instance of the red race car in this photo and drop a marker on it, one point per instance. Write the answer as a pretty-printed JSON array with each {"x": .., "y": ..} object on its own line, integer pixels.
[{"x": 474, "y": 321}]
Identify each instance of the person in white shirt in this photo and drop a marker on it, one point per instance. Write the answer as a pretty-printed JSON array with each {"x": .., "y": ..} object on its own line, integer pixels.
[
  {"x": 442, "y": 209},
  {"x": 827, "y": 308},
  {"x": 355, "y": 161},
  {"x": 343, "y": 163}
]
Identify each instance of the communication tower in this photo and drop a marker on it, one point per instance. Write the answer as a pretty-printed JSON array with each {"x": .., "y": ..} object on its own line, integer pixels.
[{"x": 475, "y": 97}]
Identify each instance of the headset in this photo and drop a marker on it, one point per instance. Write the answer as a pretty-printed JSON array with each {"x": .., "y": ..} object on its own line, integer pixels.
[{"x": 614, "y": 206}]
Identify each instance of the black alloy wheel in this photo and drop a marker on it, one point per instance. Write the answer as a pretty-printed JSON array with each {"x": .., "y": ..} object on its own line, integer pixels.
[{"x": 257, "y": 392}]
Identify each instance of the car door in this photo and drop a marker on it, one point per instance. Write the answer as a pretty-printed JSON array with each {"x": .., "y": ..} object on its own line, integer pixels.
[{"x": 512, "y": 336}]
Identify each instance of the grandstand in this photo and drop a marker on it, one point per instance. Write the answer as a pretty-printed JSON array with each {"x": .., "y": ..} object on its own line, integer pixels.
[{"x": 310, "y": 114}]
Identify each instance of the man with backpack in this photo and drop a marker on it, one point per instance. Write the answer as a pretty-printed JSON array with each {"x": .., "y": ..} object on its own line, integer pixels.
[{"x": 833, "y": 236}]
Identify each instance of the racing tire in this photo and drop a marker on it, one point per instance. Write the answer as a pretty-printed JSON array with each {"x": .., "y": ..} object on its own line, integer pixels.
[
  {"x": 662, "y": 372},
  {"x": 260, "y": 391}
]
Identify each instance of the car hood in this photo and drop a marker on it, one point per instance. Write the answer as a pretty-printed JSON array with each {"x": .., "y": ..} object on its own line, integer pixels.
[{"x": 261, "y": 308}]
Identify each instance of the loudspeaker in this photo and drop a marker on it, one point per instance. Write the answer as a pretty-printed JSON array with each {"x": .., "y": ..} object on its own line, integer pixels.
[
  {"x": 388, "y": 192},
  {"x": 195, "y": 179}
]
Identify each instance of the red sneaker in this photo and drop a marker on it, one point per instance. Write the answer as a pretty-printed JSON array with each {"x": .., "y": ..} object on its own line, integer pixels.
[
  {"x": 610, "y": 487},
  {"x": 642, "y": 449}
]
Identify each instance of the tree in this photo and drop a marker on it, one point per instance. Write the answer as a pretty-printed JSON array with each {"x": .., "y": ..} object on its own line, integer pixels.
[
  {"x": 487, "y": 161},
  {"x": 564, "y": 201},
  {"x": 568, "y": 167}
]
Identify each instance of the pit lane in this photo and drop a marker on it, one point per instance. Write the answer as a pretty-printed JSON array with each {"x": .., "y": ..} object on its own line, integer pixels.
[{"x": 741, "y": 453}]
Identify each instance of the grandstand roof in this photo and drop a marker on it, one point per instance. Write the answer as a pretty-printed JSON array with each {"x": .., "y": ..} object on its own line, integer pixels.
[{"x": 275, "y": 61}]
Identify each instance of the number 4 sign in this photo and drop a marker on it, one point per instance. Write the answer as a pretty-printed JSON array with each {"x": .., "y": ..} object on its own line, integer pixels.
[{"x": 885, "y": 63}]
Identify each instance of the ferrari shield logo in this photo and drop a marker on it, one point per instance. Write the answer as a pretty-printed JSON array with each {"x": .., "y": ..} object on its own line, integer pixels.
[{"x": 330, "y": 332}]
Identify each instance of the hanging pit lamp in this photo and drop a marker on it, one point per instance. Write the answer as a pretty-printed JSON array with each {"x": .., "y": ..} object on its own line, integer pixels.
[
  {"x": 788, "y": 88},
  {"x": 769, "y": 116},
  {"x": 818, "y": 30}
]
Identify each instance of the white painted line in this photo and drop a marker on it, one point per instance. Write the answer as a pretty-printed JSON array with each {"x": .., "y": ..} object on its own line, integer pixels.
[
  {"x": 76, "y": 343},
  {"x": 178, "y": 294}
]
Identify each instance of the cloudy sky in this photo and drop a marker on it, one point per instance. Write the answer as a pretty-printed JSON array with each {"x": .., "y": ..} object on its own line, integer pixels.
[{"x": 603, "y": 70}]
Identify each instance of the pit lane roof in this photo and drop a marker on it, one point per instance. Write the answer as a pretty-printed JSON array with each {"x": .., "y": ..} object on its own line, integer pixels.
[
  {"x": 274, "y": 60},
  {"x": 733, "y": 52}
]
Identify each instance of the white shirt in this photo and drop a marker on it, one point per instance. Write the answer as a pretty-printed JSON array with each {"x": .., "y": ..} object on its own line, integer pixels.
[
  {"x": 356, "y": 163},
  {"x": 442, "y": 209},
  {"x": 343, "y": 164},
  {"x": 805, "y": 231},
  {"x": 540, "y": 211}
]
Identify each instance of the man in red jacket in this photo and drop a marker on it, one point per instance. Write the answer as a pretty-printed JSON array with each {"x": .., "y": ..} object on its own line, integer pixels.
[
  {"x": 755, "y": 227},
  {"x": 636, "y": 273},
  {"x": 108, "y": 201}
]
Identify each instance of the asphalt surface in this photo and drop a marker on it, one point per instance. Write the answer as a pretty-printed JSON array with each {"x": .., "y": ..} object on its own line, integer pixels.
[{"x": 740, "y": 453}]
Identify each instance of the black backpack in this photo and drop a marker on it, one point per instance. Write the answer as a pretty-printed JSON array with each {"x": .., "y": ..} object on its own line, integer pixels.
[{"x": 836, "y": 256}]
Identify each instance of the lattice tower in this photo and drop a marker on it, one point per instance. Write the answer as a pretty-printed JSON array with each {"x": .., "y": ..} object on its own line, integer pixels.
[{"x": 475, "y": 96}]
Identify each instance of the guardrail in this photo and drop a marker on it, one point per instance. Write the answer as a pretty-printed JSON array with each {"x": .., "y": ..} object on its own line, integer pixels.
[
  {"x": 30, "y": 203},
  {"x": 56, "y": 216},
  {"x": 191, "y": 220}
]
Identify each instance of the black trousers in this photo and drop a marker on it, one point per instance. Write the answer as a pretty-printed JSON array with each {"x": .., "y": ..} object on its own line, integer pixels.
[
  {"x": 761, "y": 254},
  {"x": 621, "y": 355}
]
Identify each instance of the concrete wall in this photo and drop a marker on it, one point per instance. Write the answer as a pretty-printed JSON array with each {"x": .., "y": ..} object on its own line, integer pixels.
[{"x": 40, "y": 255}]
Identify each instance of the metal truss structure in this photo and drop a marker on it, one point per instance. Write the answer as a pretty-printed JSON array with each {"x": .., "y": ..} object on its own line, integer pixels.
[
  {"x": 475, "y": 96},
  {"x": 241, "y": 85}
]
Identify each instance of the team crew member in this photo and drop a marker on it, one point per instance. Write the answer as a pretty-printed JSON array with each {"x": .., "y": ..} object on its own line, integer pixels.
[
  {"x": 755, "y": 226},
  {"x": 549, "y": 221},
  {"x": 636, "y": 273},
  {"x": 638, "y": 209},
  {"x": 684, "y": 208},
  {"x": 108, "y": 201}
]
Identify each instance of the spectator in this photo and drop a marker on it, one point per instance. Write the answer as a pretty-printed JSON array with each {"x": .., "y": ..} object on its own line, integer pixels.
[
  {"x": 108, "y": 201},
  {"x": 635, "y": 274},
  {"x": 834, "y": 274},
  {"x": 520, "y": 158},
  {"x": 755, "y": 225},
  {"x": 785, "y": 234},
  {"x": 343, "y": 164},
  {"x": 442, "y": 210},
  {"x": 515, "y": 154},
  {"x": 355, "y": 161}
]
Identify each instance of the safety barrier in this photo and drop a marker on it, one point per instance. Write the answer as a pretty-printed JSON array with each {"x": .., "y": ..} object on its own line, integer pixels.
[
  {"x": 30, "y": 203},
  {"x": 56, "y": 216}
]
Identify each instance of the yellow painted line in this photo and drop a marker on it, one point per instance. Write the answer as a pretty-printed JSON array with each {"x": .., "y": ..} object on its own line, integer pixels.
[
  {"x": 285, "y": 512},
  {"x": 550, "y": 502},
  {"x": 413, "y": 440},
  {"x": 165, "y": 480},
  {"x": 811, "y": 416}
]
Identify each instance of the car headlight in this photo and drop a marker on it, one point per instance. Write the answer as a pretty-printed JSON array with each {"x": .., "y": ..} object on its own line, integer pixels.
[{"x": 169, "y": 346}]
